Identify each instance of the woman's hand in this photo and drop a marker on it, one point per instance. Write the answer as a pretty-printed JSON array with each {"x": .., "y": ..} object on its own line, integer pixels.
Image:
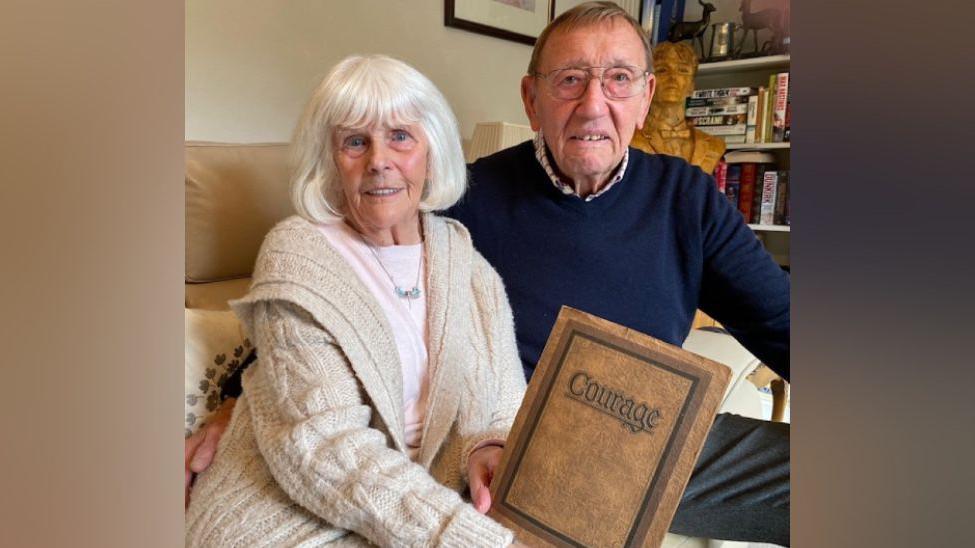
[
  {"x": 199, "y": 449},
  {"x": 480, "y": 472}
]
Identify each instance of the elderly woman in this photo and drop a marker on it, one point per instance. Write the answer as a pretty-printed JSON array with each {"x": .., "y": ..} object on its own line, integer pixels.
[{"x": 388, "y": 375}]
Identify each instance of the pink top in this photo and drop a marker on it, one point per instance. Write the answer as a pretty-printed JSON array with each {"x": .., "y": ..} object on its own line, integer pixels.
[{"x": 407, "y": 317}]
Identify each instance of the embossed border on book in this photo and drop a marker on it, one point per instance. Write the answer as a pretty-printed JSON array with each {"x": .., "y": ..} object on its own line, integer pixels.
[{"x": 700, "y": 379}]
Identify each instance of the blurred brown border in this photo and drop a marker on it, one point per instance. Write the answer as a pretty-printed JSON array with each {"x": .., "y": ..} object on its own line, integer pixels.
[{"x": 92, "y": 164}]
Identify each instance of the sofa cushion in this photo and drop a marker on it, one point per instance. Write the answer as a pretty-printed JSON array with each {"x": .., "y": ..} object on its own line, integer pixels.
[
  {"x": 214, "y": 295},
  {"x": 234, "y": 194},
  {"x": 214, "y": 348}
]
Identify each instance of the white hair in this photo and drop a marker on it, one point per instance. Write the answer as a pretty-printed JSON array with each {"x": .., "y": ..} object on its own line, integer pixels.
[{"x": 365, "y": 90}]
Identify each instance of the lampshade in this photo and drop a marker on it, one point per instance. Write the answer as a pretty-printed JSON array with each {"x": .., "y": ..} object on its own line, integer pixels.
[{"x": 490, "y": 137}]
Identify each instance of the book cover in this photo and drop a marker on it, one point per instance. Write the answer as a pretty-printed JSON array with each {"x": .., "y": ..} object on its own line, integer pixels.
[
  {"x": 781, "y": 100},
  {"x": 769, "y": 187},
  {"x": 746, "y": 192},
  {"x": 722, "y": 92},
  {"x": 606, "y": 438},
  {"x": 733, "y": 183},
  {"x": 735, "y": 129},
  {"x": 781, "y": 195},
  {"x": 740, "y": 108},
  {"x": 716, "y": 101}
]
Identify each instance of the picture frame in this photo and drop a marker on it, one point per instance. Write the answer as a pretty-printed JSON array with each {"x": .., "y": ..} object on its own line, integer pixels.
[
  {"x": 516, "y": 20},
  {"x": 634, "y": 7}
]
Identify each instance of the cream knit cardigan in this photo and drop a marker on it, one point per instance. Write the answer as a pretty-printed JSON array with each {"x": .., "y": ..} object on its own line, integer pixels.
[{"x": 314, "y": 453}]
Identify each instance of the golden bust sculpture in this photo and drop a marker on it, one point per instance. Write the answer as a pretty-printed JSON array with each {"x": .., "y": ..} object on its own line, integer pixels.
[{"x": 665, "y": 130}]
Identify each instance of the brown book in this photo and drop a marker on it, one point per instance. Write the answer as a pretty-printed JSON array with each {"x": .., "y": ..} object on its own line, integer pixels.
[{"x": 606, "y": 437}]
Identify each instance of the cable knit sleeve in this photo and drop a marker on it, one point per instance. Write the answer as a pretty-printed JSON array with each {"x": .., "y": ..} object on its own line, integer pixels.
[
  {"x": 490, "y": 414},
  {"x": 313, "y": 429}
]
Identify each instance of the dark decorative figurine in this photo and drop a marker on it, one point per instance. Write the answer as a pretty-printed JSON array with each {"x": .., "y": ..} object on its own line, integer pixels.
[
  {"x": 754, "y": 21},
  {"x": 689, "y": 30}
]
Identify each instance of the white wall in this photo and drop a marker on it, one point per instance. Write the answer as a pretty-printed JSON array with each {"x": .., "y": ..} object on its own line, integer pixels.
[{"x": 251, "y": 64}]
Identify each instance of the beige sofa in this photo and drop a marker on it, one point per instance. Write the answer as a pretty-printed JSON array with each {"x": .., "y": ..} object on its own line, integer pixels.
[{"x": 236, "y": 192}]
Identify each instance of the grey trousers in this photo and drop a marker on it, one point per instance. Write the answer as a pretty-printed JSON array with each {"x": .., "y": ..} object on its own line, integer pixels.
[{"x": 739, "y": 489}]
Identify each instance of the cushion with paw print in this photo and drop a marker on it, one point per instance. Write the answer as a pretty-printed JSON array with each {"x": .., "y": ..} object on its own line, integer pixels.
[{"x": 215, "y": 347}]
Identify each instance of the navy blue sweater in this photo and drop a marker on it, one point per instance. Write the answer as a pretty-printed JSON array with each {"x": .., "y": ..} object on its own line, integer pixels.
[{"x": 646, "y": 254}]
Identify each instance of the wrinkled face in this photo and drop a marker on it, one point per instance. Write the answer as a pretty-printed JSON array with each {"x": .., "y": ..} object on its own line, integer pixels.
[
  {"x": 675, "y": 79},
  {"x": 588, "y": 136},
  {"x": 383, "y": 170}
]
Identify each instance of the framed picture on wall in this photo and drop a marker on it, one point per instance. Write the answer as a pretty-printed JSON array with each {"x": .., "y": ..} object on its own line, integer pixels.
[
  {"x": 633, "y": 7},
  {"x": 517, "y": 20}
]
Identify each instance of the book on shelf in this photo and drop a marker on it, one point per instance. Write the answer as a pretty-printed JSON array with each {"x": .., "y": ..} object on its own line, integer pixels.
[
  {"x": 746, "y": 190},
  {"x": 769, "y": 109},
  {"x": 606, "y": 437},
  {"x": 734, "y": 129},
  {"x": 721, "y": 175},
  {"x": 718, "y": 120},
  {"x": 788, "y": 116},
  {"x": 722, "y": 92},
  {"x": 691, "y": 102},
  {"x": 754, "y": 156},
  {"x": 782, "y": 198},
  {"x": 760, "y": 115},
  {"x": 779, "y": 108},
  {"x": 733, "y": 183},
  {"x": 739, "y": 108},
  {"x": 751, "y": 118},
  {"x": 769, "y": 187}
]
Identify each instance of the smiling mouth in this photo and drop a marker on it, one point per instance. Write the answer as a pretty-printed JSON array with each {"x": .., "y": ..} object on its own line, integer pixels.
[
  {"x": 380, "y": 192},
  {"x": 590, "y": 137}
]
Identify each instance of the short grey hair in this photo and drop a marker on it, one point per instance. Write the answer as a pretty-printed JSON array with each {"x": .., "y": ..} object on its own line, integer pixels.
[
  {"x": 362, "y": 90},
  {"x": 584, "y": 15}
]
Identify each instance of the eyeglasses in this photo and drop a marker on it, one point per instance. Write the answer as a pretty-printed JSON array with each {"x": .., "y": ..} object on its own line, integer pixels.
[{"x": 617, "y": 82}]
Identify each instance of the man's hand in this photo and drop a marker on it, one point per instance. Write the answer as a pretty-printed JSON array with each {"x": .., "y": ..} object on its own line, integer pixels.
[
  {"x": 480, "y": 472},
  {"x": 199, "y": 449}
]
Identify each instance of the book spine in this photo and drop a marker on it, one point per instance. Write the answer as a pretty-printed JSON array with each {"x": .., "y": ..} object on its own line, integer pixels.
[
  {"x": 750, "y": 118},
  {"x": 769, "y": 187},
  {"x": 757, "y": 198},
  {"x": 736, "y": 129},
  {"x": 720, "y": 120},
  {"x": 721, "y": 176},
  {"x": 733, "y": 184},
  {"x": 746, "y": 190},
  {"x": 769, "y": 105},
  {"x": 721, "y": 92},
  {"x": 781, "y": 100},
  {"x": 716, "y": 101},
  {"x": 740, "y": 108},
  {"x": 788, "y": 116},
  {"x": 760, "y": 116},
  {"x": 781, "y": 195}
]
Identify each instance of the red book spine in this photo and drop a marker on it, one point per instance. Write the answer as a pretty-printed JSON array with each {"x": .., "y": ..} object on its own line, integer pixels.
[
  {"x": 746, "y": 193},
  {"x": 721, "y": 176}
]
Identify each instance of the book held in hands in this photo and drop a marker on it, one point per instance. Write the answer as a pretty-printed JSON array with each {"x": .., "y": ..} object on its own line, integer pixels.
[{"x": 606, "y": 437}]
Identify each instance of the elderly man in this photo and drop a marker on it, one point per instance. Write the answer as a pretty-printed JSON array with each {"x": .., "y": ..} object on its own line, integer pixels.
[{"x": 576, "y": 217}]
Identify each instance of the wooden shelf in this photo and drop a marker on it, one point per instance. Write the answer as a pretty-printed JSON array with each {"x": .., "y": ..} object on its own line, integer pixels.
[
  {"x": 770, "y": 228},
  {"x": 738, "y": 65},
  {"x": 758, "y": 146}
]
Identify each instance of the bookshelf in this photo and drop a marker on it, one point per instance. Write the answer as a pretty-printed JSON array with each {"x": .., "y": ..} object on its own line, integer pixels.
[{"x": 754, "y": 72}]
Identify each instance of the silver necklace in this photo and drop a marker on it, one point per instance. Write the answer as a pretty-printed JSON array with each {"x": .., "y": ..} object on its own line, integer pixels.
[{"x": 410, "y": 294}]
